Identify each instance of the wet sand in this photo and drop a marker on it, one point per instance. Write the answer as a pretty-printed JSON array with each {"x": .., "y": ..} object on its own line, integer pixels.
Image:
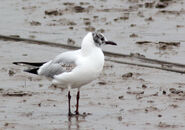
[{"x": 124, "y": 96}]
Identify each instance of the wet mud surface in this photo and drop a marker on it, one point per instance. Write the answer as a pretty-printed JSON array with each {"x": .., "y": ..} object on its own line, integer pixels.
[
  {"x": 131, "y": 98},
  {"x": 124, "y": 21},
  {"x": 124, "y": 96}
]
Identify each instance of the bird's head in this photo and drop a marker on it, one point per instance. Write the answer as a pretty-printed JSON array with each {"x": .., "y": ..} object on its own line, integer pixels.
[
  {"x": 99, "y": 39},
  {"x": 93, "y": 40}
]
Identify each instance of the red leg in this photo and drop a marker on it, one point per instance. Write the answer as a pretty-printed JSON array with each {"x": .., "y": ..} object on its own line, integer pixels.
[
  {"x": 69, "y": 104},
  {"x": 77, "y": 102}
]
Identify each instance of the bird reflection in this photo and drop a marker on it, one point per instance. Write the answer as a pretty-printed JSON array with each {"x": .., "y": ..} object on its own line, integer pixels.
[{"x": 74, "y": 122}]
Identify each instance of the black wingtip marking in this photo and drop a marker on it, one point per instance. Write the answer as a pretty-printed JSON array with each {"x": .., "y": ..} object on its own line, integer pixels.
[
  {"x": 30, "y": 63},
  {"x": 16, "y": 63},
  {"x": 33, "y": 71}
]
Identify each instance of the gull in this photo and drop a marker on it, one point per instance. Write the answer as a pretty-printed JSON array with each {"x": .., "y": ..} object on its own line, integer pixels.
[{"x": 73, "y": 69}]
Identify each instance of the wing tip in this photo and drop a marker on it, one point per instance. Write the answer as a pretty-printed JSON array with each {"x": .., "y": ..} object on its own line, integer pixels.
[
  {"x": 36, "y": 64},
  {"x": 15, "y": 63},
  {"x": 32, "y": 71}
]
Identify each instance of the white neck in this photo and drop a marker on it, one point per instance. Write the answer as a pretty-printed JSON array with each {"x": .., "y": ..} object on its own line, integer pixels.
[{"x": 88, "y": 44}]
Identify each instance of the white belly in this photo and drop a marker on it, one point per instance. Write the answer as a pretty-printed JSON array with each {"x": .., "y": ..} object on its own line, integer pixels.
[{"x": 75, "y": 79}]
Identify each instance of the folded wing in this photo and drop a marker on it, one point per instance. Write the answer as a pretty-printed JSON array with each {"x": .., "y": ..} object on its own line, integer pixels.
[{"x": 64, "y": 62}]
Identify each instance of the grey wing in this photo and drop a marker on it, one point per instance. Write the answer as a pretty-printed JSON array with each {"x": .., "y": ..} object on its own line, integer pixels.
[
  {"x": 51, "y": 68},
  {"x": 56, "y": 67},
  {"x": 64, "y": 62}
]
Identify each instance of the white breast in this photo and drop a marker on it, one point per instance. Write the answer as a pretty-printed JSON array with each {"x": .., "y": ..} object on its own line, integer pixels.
[{"x": 89, "y": 67}]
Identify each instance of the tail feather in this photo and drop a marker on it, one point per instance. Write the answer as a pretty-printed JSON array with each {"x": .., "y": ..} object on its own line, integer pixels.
[
  {"x": 33, "y": 71},
  {"x": 36, "y": 64}
]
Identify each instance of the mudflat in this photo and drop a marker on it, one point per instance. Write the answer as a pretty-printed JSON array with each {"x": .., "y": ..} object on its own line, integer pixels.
[{"x": 125, "y": 96}]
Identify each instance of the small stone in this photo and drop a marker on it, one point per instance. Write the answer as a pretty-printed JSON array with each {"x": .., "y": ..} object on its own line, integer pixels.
[
  {"x": 155, "y": 94},
  {"x": 174, "y": 91},
  {"x": 35, "y": 23},
  {"x": 165, "y": 0},
  {"x": 90, "y": 29},
  {"x": 121, "y": 97},
  {"x": 87, "y": 22},
  {"x": 68, "y": 3},
  {"x": 32, "y": 36},
  {"x": 24, "y": 54},
  {"x": 11, "y": 72},
  {"x": 161, "y": 5},
  {"x": 150, "y": 101},
  {"x": 95, "y": 17},
  {"x": 133, "y": 35},
  {"x": 6, "y": 124},
  {"x": 71, "y": 28},
  {"x": 164, "y": 92},
  {"x": 120, "y": 118},
  {"x": 127, "y": 75},
  {"x": 52, "y": 12},
  {"x": 132, "y": 25},
  {"x": 179, "y": 26},
  {"x": 149, "y": 19},
  {"x": 79, "y": 9},
  {"x": 144, "y": 86},
  {"x": 124, "y": 18},
  {"x": 140, "y": 14},
  {"x": 70, "y": 41},
  {"x": 149, "y": 5},
  {"x": 102, "y": 83},
  {"x": 163, "y": 47},
  {"x": 173, "y": 105},
  {"x": 40, "y": 85},
  {"x": 39, "y": 104},
  {"x": 101, "y": 30}
]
